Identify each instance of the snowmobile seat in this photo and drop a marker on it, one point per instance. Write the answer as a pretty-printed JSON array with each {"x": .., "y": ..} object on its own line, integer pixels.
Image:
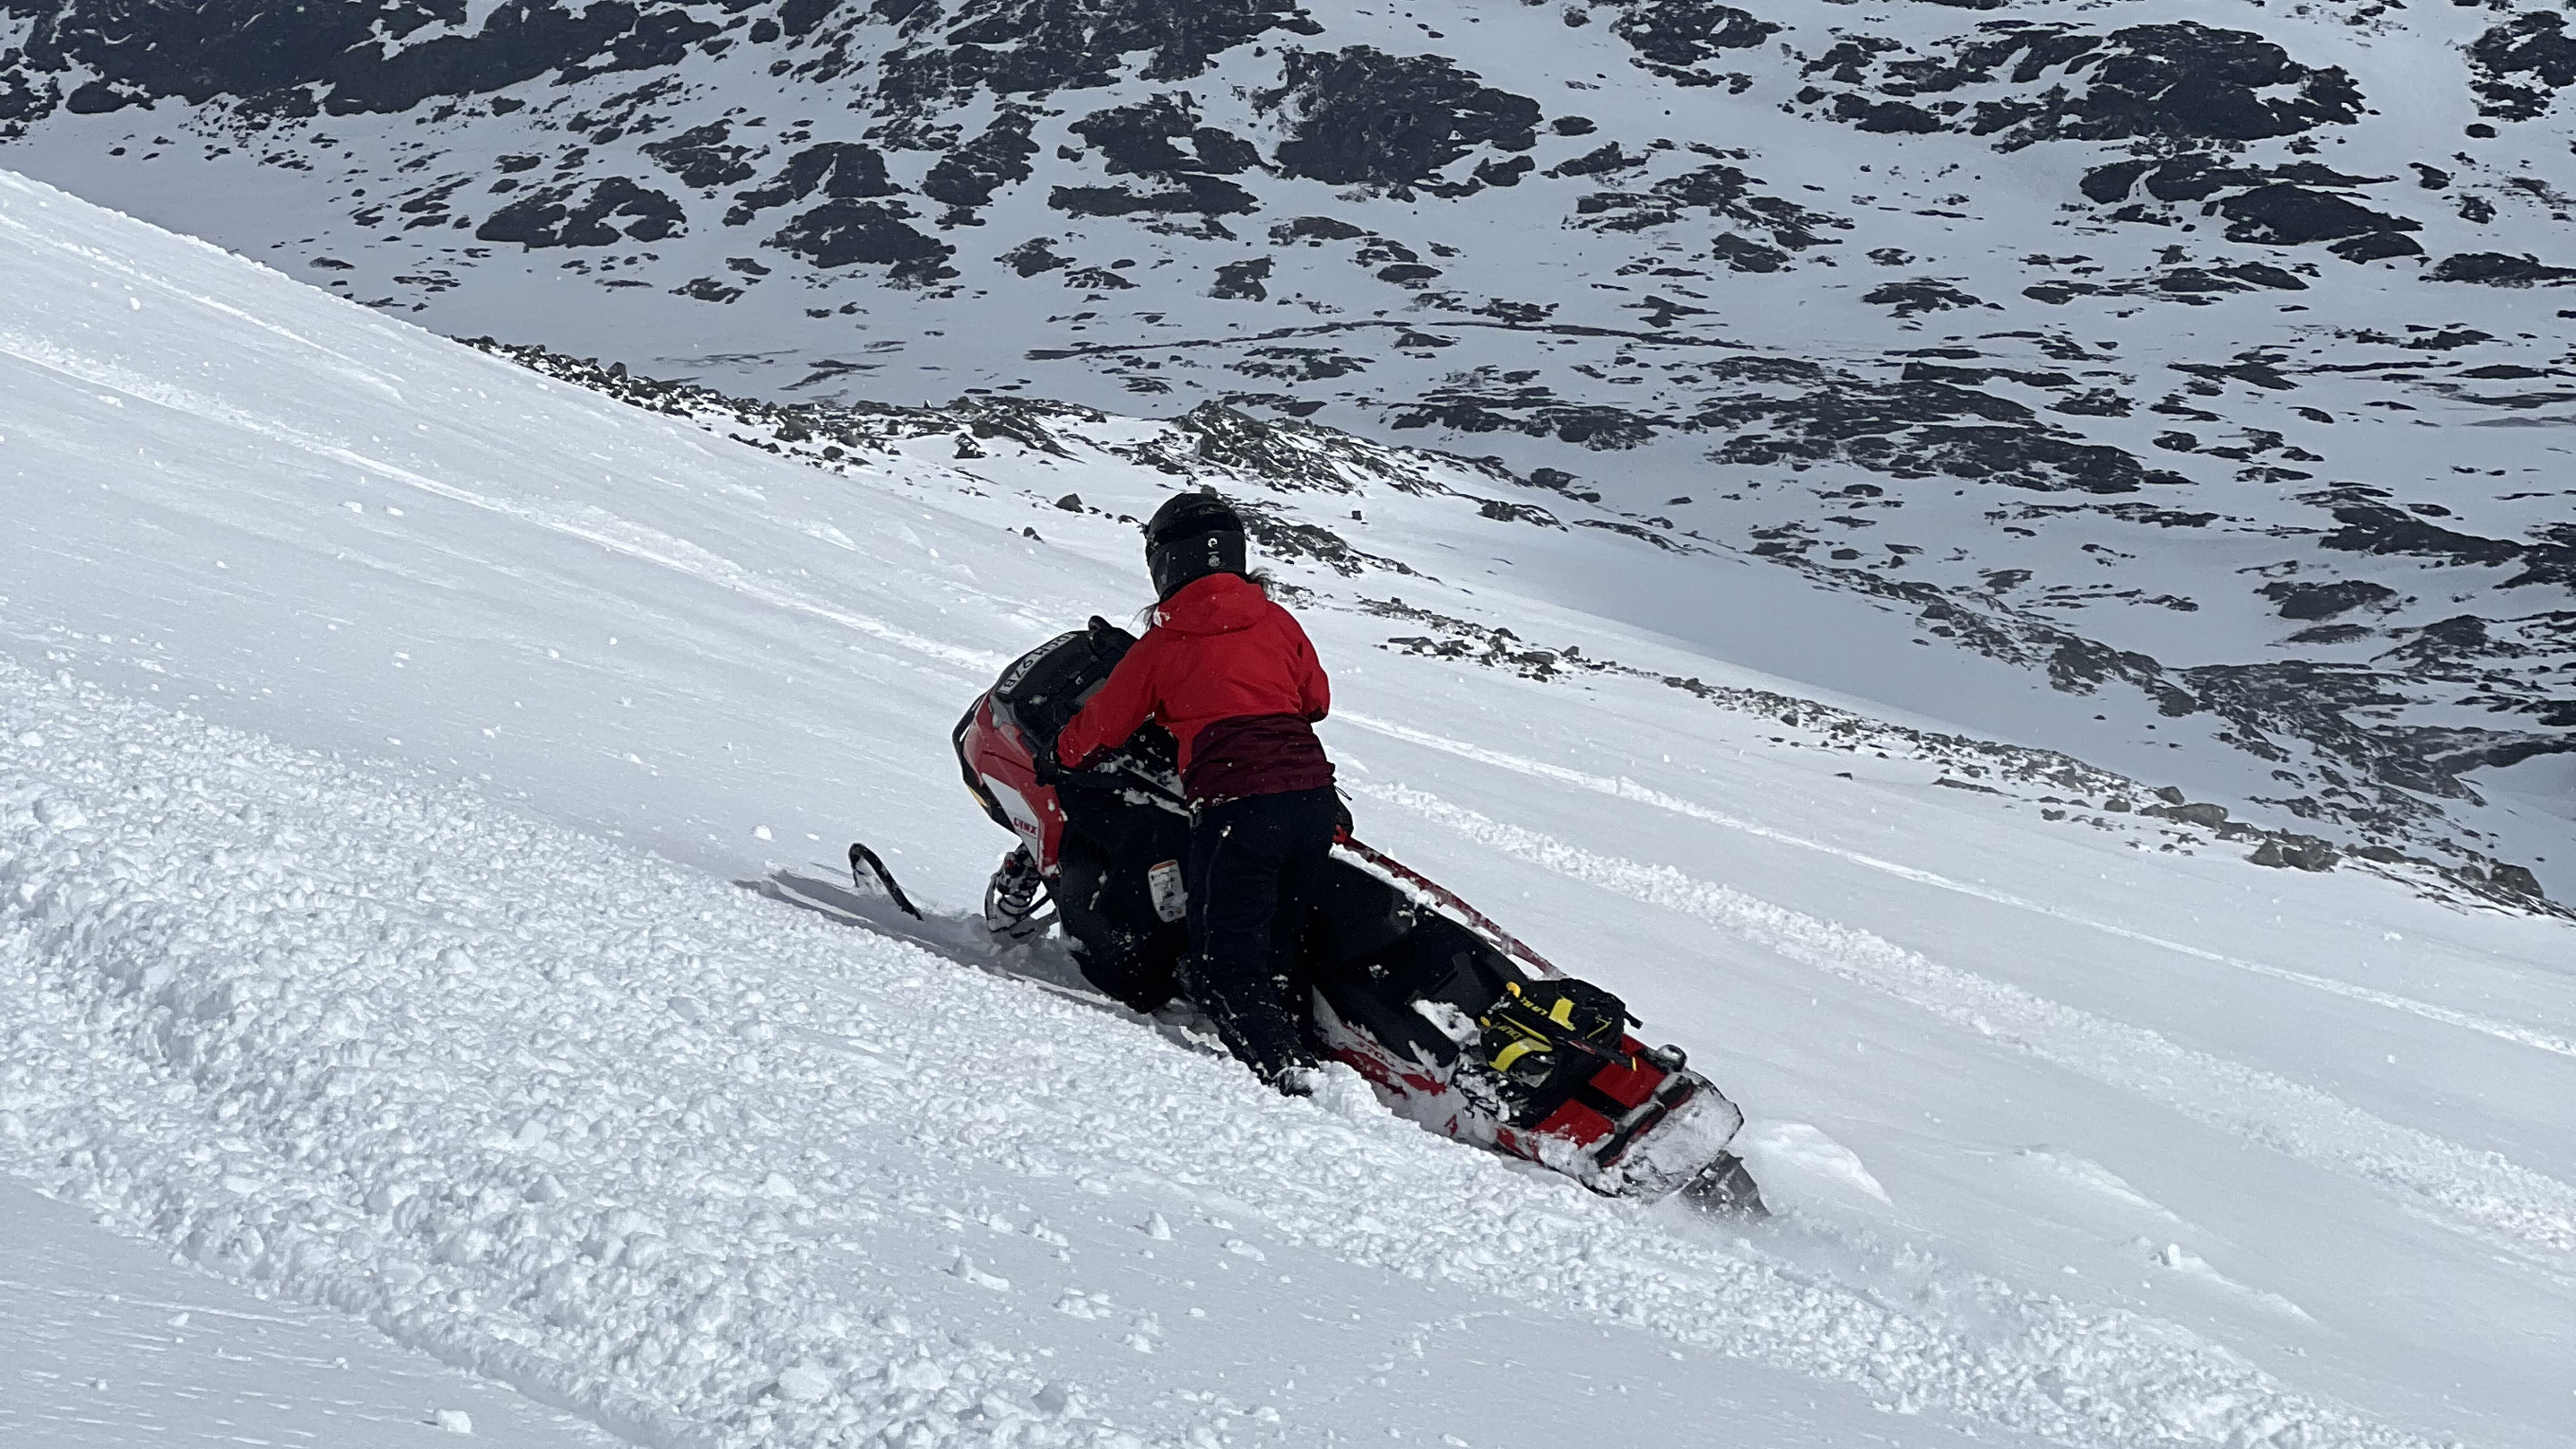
[
  {"x": 1355, "y": 915},
  {"x": 1374, "y": 955}
]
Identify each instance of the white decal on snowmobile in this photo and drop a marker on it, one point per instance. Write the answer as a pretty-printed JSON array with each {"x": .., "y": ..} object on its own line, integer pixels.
[{"x": 1171, "y": 897}]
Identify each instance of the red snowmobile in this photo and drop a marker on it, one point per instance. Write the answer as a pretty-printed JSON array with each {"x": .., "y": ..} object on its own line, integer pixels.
[{"x": 1458, "y": 1026}]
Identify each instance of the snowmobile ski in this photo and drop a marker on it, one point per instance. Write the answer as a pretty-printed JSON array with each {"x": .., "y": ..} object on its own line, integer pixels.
[{"x": 861, "y": 855}]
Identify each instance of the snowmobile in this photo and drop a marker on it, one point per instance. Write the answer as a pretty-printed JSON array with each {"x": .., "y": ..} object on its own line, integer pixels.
[{"x": 1456, "y": 1024}]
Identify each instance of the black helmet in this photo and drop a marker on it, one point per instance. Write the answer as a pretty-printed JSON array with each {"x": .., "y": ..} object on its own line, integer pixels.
[{"x": 1191, "y": 536}]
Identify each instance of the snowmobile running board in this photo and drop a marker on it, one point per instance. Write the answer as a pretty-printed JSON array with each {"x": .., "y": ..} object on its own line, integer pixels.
[{"x": 861, "y": 855}]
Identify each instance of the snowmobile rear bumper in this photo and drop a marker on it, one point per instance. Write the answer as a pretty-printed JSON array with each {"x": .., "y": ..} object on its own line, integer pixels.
[
  {"x": 1673, "y": 1133},
  {"x": 1648, "y": 1151}
]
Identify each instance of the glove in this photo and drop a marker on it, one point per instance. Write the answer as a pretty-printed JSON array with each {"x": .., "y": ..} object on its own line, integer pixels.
[
  {"x": 1342, "y": 823},
  {"x": 1046, "y": 766}
]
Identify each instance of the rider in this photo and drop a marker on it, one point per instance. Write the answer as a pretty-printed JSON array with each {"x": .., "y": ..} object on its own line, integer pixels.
[{"x": 1234, "y": 679}]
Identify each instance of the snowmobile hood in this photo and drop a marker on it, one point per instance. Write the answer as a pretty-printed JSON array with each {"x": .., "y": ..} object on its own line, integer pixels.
[{"x": 1217, "y": 604}]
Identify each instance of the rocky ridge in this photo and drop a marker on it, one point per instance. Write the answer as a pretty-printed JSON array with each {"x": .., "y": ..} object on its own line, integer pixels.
[{"x": 2209, "y": 357}]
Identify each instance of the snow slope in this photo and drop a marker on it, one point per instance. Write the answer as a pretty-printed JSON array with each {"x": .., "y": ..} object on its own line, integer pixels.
[
  {"x": 110, "y": 1343},
  {"x": 388, "y": 734}
]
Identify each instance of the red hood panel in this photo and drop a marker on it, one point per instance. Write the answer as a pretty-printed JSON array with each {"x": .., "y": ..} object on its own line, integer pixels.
[{"x": 1217, "y": 604}]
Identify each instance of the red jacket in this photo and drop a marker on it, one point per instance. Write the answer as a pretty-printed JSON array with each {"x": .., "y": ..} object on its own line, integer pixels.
[{"x": 1220, "y": 654}]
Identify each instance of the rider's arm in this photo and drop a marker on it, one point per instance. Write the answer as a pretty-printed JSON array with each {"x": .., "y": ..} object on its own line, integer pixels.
[
  {"x": 1123, "y": 704},
  {"x": 1314, "y": 691}
]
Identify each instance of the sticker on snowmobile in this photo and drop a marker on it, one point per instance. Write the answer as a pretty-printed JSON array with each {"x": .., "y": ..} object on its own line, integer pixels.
[{"x": 1171, "y": 897}]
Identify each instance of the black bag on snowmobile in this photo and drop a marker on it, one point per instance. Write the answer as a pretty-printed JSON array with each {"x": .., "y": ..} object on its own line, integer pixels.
[
  {"x": 1045, "y": 688},
  {"x": 1539, "y": 1030}
]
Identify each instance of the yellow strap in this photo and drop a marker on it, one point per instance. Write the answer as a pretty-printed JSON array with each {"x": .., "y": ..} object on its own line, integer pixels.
[
  {"x": 1563, "y": 1012},
  {"x": 1503, "y": 1059}
]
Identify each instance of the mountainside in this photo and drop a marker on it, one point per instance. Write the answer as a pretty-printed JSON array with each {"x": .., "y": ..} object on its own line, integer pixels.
[
  {"x": 2201, "y": 364},
  {"x": 419, "y": 786}
]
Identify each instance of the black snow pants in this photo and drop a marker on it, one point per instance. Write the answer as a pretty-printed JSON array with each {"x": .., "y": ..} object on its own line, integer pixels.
[
  {"x": 1124, "y": 947},
  {"x": 1253, "y": 864}
]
